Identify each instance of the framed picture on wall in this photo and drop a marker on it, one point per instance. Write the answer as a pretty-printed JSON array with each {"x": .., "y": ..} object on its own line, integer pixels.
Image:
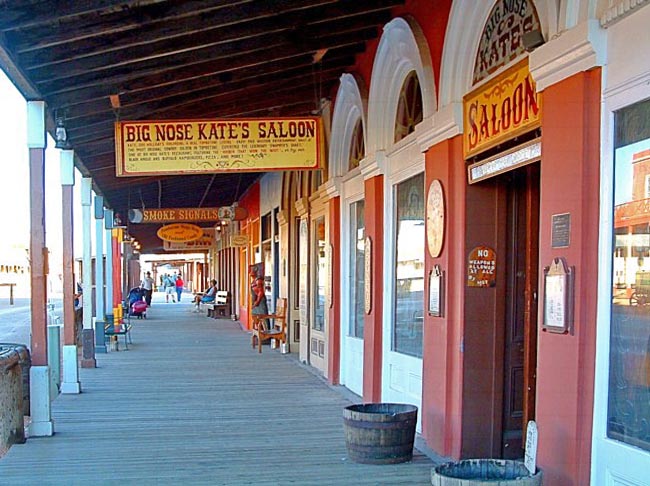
[{"x": 436, "y": 291}]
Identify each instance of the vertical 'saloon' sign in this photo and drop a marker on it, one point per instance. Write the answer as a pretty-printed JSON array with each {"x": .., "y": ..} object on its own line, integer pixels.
[
  {"x": 207, "y": 146},
  {"x": 503, "y": 108}
]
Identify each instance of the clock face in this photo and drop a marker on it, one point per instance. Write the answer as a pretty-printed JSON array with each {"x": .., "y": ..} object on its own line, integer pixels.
[{"x": 435, "y": 218}]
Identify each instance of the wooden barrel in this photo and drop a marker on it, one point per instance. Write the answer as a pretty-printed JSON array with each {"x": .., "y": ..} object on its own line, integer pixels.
[
  {"x": 474, "y": 472},
  {"x": 380, "y": 433}
]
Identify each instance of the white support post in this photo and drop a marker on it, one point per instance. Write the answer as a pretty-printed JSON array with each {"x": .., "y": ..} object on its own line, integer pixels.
[
  {"x": 40, "y": 409},
  {"x": 88, "y": 335},
  {"x": 108, "y": 224},
  {"x": 100, "y": 316},
  {"x": 70, "y": 377}
]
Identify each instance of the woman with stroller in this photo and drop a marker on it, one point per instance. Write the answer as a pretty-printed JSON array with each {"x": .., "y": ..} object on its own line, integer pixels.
[{"x": 147, "y": 286}]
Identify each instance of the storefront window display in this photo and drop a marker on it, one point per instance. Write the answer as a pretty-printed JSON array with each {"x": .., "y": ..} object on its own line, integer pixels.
[
  {"x": 628, "y": 413},
  {"x": 409, "y": 267},
  {"x": 357, "y": 258}
]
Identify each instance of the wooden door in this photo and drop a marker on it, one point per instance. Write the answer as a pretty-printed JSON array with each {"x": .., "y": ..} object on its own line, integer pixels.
[{"x": 521, "y": 308}]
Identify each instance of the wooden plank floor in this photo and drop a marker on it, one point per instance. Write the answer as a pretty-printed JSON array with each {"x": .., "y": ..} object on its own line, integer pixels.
[{"x": 191, "y": 402}]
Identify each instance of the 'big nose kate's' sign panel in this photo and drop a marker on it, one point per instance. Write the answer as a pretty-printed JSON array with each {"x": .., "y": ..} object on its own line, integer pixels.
[{"x": 209, "y": 146}]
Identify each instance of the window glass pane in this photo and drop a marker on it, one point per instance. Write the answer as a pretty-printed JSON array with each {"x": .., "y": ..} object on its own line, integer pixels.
[
  {"x": 628, "y": 413},
  {"x": 357, "y": 287},
  {"x": 409, "y": 267},
  {"x": 320, "y": 276},
  {"x": 409, "y": 107},
  {"x": 357, "y": 147}
]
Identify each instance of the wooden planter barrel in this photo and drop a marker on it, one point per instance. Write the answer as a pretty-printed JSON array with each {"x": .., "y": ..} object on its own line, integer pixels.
[
  {"x": 380, "y": 433},
  {"x": 474, "y": 472}
]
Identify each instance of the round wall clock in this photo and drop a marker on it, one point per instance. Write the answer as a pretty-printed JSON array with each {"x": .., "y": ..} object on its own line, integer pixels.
[{"x": 435, "y": 218}]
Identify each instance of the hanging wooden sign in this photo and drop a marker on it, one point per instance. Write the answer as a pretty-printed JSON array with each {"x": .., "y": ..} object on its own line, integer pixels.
[
  {"x": 207, "y": 146},
  {"x": 206, "y": 242},
  {"x": 501, "y": 109},
  {"x": 180, "y": 232},
  {"x": 482, "y": 267}
]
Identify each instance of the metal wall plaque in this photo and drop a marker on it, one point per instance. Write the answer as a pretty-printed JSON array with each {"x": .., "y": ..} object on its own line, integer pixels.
[
  {"x": 436, "y": 291},
  {"x": 561, "y": 230},
  {"x": 558, "y": 297}
]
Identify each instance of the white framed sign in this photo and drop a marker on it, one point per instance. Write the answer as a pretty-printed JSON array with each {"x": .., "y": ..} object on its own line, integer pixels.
[{"x": 558, "y": 297}]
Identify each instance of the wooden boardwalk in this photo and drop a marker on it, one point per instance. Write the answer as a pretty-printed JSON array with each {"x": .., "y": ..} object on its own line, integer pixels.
[{"x": 192, "y": 403}]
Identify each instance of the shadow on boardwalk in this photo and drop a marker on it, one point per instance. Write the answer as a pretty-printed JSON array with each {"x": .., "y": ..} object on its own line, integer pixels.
[{"x": 192, "y": 402}]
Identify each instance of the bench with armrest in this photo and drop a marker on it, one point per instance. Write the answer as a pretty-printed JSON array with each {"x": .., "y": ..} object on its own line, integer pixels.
[
  {"x": 122, "y": 329},
  {"x": 221, "y": 305},
  {"x": 262, "y": 331}
]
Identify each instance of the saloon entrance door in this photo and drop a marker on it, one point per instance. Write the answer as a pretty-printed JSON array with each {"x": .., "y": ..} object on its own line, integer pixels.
[{"x": 520, "y": 333}]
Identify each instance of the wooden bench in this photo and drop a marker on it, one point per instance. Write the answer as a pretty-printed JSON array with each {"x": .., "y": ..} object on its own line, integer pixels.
[
  {"x": 262, "y": 331},
  {"x": 221, "y": 305},
  {"x": 123, "y": 329}
]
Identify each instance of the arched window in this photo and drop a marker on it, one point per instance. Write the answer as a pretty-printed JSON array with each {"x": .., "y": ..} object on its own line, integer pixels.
[
  {"x": 357, "y": 146},
  {"x": 409, "y": 107}
]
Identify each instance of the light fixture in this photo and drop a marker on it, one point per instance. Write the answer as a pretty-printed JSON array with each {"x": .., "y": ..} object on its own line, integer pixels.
[
  {"x": 532, "y": 40},
  {"x": 61, "y": 134}
]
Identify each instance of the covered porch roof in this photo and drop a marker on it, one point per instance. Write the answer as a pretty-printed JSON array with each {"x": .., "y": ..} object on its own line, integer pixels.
[{"x": 97, "y": 61}]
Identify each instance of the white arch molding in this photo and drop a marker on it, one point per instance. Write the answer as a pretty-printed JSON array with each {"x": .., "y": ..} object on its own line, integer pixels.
[
  {"x": 464, "y": 29},
  {"x": 402, "y": 49},
  {"x": 351, "y": 104}
]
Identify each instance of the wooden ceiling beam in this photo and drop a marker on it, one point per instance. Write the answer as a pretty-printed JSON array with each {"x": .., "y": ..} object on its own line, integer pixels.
[
  {"x": 125, "y": 78},
  {"x": 183, "y": 35},
  {"x": 60, "y": 22},
  {"x": 86, "y": 125},
  {"x": 177, "y": 34},
  {"x": 228, "y": 81}
]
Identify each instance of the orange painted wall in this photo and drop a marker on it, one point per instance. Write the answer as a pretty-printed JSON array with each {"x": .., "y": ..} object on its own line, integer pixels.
[
  {"x": 570, "y": 183},
  {"x": 442, "y": 361},
  {"x": 251, "y": 201},
  {"x": 334, "y": 320},
  {"x": 372, "y": 342}
]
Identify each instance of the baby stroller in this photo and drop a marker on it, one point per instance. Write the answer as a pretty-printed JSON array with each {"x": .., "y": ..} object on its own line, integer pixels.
[{"x": 137, "y": 306}]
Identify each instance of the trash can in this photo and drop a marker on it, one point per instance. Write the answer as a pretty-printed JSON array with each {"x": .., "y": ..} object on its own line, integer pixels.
[
  {"x": 380, "y": 433},
  {"x": 474, "y": 472},
  {"x": 25, "y": 361}
]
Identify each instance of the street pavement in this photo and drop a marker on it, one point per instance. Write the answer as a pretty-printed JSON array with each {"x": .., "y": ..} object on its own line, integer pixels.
[{"x": 16, "y": 320}]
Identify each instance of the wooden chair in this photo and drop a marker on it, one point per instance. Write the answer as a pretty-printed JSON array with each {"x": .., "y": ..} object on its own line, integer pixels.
[{"x": 278, "y": 331}]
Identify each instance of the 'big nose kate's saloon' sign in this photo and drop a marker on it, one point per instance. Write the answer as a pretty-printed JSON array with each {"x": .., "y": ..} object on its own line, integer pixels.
[
  {"x": 503, "y": 108},
  {"x": 180, "y": 232}
]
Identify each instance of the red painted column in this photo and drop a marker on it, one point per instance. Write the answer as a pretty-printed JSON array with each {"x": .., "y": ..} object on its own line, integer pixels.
[
  {"x": 334, "y": 319},
  {"x": 372, "y": 334},
  {"x": 38, "y": 256},
  {"x": 566, "y": 363},
  {"x": 68, "y": 267},
  {"x": 443, "y": 359}
]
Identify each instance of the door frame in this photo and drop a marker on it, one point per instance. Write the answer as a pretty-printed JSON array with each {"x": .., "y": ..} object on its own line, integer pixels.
[
  {"x": 351, "y": 373},
  {"x": 403, "y": 163},
  {"x": 611, "y": 460}
]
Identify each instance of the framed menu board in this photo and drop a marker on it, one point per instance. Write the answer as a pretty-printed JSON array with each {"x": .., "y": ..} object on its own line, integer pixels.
[{"x": 558, "y": 297}]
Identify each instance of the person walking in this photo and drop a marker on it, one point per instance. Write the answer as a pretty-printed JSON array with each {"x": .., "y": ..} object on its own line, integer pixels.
[
  {"x": 170, "y": 287},
  {"x": 147, "y": 286},
  {"x": 179, "y": 286}
]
